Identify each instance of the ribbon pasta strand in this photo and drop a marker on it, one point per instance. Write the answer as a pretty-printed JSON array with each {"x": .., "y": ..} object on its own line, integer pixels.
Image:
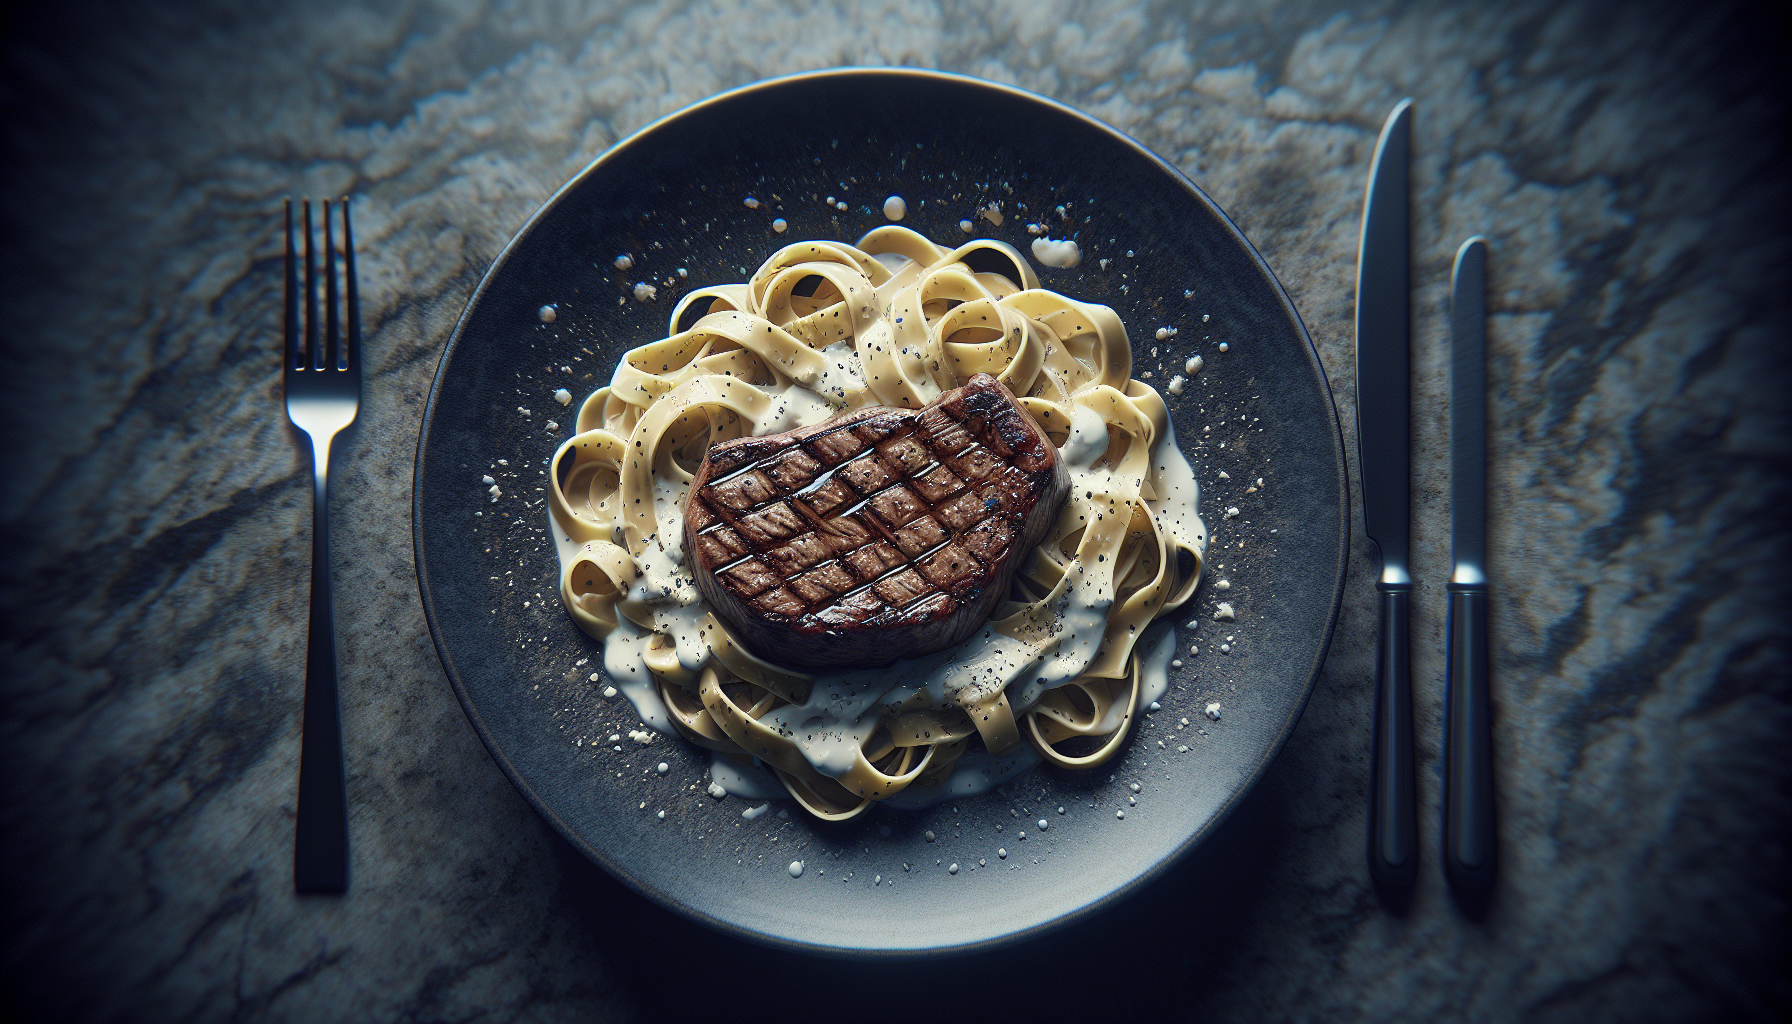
[{"x": 824, "y": 328}]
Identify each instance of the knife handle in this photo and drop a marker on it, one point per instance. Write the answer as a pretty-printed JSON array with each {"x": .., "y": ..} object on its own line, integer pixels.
[
  {"x": 1468, "y": 744},
  {"x": 1393, "y": 834}
]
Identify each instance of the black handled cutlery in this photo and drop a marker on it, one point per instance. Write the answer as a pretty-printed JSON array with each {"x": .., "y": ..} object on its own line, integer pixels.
[
  {"x": 1468, "y": 734},
  {"x": 1383, "y": 401}
]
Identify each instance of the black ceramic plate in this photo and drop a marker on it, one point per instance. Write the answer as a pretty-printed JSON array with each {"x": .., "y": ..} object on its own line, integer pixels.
[{"x": 673, "y": 196}]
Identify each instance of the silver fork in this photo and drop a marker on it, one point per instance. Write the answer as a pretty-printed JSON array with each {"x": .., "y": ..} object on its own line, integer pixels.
[{"x": 323, "y": 392}]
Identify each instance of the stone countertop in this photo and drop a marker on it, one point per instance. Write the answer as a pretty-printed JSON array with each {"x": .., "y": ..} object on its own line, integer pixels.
[{"x": 1627, "y": 164}]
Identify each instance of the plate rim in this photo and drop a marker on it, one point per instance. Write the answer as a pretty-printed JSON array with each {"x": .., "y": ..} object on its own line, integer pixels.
[{"x": 734, "y": 929}]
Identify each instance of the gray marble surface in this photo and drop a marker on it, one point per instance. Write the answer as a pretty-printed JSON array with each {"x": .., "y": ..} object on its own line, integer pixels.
[{"x": 1627, "y": 162}]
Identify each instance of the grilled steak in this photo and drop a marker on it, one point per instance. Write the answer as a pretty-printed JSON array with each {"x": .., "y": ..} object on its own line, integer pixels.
[{"x": 882, "y": 534}]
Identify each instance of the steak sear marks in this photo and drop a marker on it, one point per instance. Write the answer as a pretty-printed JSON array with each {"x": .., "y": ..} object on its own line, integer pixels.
[{"x": 884, "y": 533}]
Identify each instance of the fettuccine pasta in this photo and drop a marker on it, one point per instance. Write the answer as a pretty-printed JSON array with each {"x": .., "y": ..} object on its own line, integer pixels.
[{"x": 822, "y": 328}]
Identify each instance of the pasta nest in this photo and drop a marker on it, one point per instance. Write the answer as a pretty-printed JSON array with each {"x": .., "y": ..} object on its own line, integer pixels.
[{"x": 822, "y": 328}]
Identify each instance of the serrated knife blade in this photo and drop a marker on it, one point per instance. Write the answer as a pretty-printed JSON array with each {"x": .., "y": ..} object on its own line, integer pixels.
[{"x": 1383, "y": 400}]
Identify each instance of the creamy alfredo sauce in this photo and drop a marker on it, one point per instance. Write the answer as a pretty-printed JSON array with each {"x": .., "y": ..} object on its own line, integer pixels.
[{"x": 842, "y": 709}]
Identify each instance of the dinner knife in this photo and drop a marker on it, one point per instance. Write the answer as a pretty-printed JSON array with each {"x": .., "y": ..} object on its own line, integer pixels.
[
  {"x": 1468, "y": 733},
  {"x": 1383, "y": 401}
]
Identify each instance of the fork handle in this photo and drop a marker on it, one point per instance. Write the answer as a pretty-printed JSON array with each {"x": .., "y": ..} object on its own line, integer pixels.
[{"x": 320, "y": 848}]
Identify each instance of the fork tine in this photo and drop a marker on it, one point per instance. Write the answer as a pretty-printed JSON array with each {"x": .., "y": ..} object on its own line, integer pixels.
[
  {"x": 352, "y": 358},
  {"x": 311, "y": 353},
  {"x": 292, "y": 296},
  {"x": 332, "y": 325}
]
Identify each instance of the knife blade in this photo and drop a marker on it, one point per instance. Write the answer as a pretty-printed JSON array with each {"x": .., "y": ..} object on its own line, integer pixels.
[
  {"x": 1468, "y": 734},
  {"x": 1383, "y": 393}
]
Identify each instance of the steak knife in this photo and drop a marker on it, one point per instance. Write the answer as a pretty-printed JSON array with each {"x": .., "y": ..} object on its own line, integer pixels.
[
  {"x": 1383, "y": 401},
  {"x": 1468, "y": 733}
]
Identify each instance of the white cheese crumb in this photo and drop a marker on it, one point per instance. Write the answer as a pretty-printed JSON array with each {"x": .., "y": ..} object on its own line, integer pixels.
[
  {"x": 1176, "y": 384},
  {"x": 754, "y": 812},
  {"x": 778, "y": 225},
  {"x": 1174, "y": 663},
  {"x": 615, "y": 736},
  {"x": 841, "y": 206},
  {"x": 1204, "y": 316},
  {"x": 1060, "y": 253},
  {"x": 609, "y": 691},
  {"x": 683, "y": 273},
  {"x": 953, "y": 870},
  {"x": 547, "y": 314},
  {"x": 563, "y": 396},
  {"x": 1232, "y": 511},
  {"x": 495, "y": 492},
  {"x": 487, "y": 480},
  {"x": 1222, "y": 585},
  {"x": 895, "y": 208},
  {"x": 966, "y": 226},
  {"x": 641, "y": 736},
  {"x": 992, "y": 212},
  {"x": 795, "y": 869},
  {"x": 1043, "y": 824},
  {"x": 552, "y": 425},
  {"x": 1037, "y": 229},
  {"x": 1155, "y": 706},
  {"x": 1224, "y": 613},
  {"x": 1002, "y": 853},
  {"x": 661, "y": 815},
  {"x": 1225, "y": 475},
  {"x": 1225, "y": 648},
  {"x": 525, "y": 412},
  {"x": 1213, "y": 711},
  {"x": 503, "y": 462},
  {"x": 1224, "y": 347},
  {"x": 1182, "y": 749},
  {"x": 624, "y": 262},
  {"x": 752, "y": 204},
  {"x": 716, "y": 790},
  {"x": 662, "y": 767},
  {"x": 1063, "y": 214},
  {"x": 1104, "y": 263},
  {"x": 1184, "y": 721},
  {"x": 645, "y": 292},
  {"x": 1120, "y": 814}
]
